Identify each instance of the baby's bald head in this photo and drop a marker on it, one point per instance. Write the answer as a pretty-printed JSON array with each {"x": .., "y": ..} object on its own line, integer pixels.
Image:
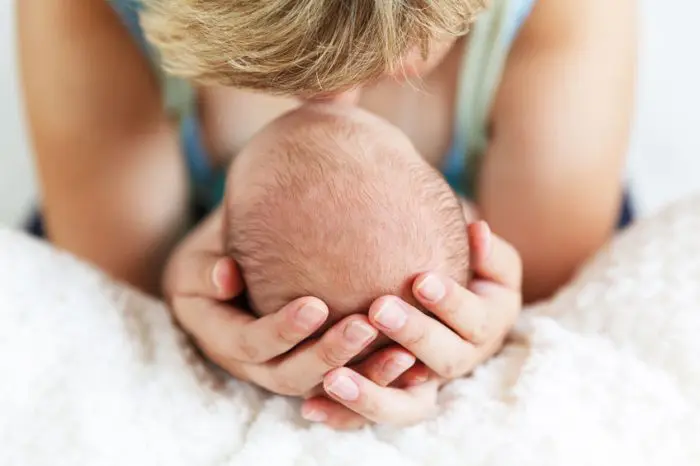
[{"x": 335, "y": 203}]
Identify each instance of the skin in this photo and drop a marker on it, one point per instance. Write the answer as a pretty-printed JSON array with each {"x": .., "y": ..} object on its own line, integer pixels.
[
  {"x": 114, "y": 186},
  {"x": 97, "y": 169},
  {"x": 367, "y": 143},
  {"x": 265, "y": 351}
]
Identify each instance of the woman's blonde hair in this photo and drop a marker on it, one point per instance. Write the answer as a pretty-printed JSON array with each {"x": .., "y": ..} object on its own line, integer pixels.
[{"x": 297, "y": 46}]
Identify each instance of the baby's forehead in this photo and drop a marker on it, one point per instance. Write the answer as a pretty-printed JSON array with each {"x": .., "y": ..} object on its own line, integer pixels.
[
  {"x": 348, "y": 132},
  {"x": 326, "y": 140},
  {"x": 328, "y": 124}
]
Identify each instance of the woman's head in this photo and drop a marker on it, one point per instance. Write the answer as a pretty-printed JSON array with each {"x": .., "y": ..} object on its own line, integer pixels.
[{"x": 303, "y": 47}]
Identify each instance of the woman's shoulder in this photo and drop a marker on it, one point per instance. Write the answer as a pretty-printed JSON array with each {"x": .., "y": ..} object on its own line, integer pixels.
[{"x": 562, "y": 21}]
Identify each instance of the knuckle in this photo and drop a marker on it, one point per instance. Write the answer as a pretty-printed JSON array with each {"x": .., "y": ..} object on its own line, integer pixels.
[
  {"x": 479, "y": 332},
  {"x": 458, "y": 304},
  {"x": 285, "y": 335},
  {"x": 453, "y": 308},
  {"x": 331, "y": 356},
  {"x": 448, "y": 371},
  {"x": 247, "y": 351},
  {"x": 383, "y": 377},
  {"x": 454, "y": 368},
  {"x": 417, "y": 336}
]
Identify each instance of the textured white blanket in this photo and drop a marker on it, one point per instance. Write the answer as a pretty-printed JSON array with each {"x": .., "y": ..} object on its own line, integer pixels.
[{"x": 608, "y": 373}]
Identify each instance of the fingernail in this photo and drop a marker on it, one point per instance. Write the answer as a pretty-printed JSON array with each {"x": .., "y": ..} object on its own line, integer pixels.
[
  {"x": 358, "y": 333},
  {"x": 487, "y": 239},
  {"x": 314, "y": 415},
  {"x": 418, "y": 380},
  {"x": 431, "y": 288},
  {"x": 344, "y": 388},
  {"x": 391, "y": 316},
  {"x": 397, "y": 365},
  {"x": 310, "y": 316},
  {"x": 217, "y": 275}
]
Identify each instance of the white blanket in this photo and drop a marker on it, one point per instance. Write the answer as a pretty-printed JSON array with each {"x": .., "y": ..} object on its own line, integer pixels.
[{"x": 607, "y": 373}]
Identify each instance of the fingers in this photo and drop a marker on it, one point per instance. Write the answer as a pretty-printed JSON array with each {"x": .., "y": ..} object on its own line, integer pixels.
[
  {"x": 205, "y": 274},
  {"x": 460, "y": 309},
  {"x": 386, "y": 366},
  {"x": 492, "y": 258},
  {"x": 382, "y": 368},
  {"x": 501, "y": 306},
  {"x": 418, "y": 374},
  {"x": 382, "y": 405},
  {"x": 438, "y": 347},
  {"x": 305, "y": 367},
  {"x": 336, "y": 416},
  {"x": 229, "y": 335},
  {"x": 484, "y": 311}
]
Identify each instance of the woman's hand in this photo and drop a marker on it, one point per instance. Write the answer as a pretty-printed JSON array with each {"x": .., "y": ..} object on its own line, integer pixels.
[
  {"x": 476, "y": 321},
  {"x": 473, "y": 321},
  {"x": 264, "y": 351}
]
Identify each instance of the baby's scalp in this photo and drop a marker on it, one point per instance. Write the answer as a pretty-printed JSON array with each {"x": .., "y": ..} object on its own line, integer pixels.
[{"x": 333, "y": 202}]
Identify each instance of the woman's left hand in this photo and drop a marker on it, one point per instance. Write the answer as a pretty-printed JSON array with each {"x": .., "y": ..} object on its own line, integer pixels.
[{"x": 473, "y": 323}]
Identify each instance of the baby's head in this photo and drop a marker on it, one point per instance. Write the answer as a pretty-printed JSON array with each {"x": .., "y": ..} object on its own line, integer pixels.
[{"x": 336, "y": 203}]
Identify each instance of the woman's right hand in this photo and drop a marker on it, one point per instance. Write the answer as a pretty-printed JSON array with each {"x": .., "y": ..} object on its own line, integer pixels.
[{"x": 199, "y": 281}]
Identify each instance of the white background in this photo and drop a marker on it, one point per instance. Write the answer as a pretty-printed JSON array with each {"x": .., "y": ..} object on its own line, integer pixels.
[{"x": 665, "y": 154}]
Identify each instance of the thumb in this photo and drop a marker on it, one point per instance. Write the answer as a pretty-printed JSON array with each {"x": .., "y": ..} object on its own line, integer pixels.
[
  {"x": 492, "y": 258},
  {"x": 203, "y": 274}
]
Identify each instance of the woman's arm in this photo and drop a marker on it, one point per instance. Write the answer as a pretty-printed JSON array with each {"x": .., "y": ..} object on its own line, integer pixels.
[
  {"x": 551, "y": 180},
  {"x": 113, "y": 184}
]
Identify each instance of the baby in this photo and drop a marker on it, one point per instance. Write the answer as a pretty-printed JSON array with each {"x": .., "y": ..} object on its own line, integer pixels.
[{"x": 336, "y": 203}]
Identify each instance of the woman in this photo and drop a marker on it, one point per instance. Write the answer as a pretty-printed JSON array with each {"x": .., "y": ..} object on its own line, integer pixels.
[{"x": 537, "y": 138}]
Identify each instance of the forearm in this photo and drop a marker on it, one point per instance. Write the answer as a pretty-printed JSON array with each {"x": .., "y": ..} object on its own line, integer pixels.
[
  {"x": 554, "y": 235},
  {"x": 124, "y": 219},
  {"x": 551, "y": 180},
  {"x": 113, "y": 187}
]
